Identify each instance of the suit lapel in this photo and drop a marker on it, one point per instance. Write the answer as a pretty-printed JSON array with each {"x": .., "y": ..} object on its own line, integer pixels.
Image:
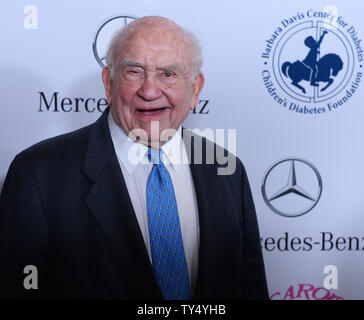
[
  {"x": 212, "y": 215},
  {"x": 111, "y": 206}
]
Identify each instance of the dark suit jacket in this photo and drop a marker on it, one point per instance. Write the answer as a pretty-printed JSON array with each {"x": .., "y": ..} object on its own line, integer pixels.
[{"x": 65, "y": 209}]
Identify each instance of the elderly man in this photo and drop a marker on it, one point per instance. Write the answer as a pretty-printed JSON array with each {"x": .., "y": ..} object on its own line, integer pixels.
[{"x": 92, "y": 221}]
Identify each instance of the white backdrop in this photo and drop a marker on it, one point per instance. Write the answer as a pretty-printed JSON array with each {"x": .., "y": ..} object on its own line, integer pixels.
[{"x": 53, "y": 53}]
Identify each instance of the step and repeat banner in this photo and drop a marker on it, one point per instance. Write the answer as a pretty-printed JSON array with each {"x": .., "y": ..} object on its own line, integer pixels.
[{"x": 286, "y": 75}]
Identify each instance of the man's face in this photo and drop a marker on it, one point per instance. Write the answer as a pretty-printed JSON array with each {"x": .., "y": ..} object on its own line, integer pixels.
[{"x": 152, "y": 81}]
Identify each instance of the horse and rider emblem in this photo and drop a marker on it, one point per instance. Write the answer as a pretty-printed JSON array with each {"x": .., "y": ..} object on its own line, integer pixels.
[{"x": 312, "y": 68}]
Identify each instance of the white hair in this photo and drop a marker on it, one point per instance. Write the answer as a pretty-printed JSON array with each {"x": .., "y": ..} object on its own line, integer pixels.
[{"x": 196, "y": 55}]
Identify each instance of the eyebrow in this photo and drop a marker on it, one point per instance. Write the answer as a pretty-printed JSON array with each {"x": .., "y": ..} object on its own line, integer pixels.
[
  {"x": 130, "y": 63},
  {"x": 171, "y": 67}
]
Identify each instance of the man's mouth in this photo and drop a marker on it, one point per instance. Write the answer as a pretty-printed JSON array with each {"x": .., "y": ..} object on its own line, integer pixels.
[{"x": 151, "y": 112}]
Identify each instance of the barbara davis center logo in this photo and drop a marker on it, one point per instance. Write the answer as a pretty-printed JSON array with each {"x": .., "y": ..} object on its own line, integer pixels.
[{"x": 312, "y": 62}]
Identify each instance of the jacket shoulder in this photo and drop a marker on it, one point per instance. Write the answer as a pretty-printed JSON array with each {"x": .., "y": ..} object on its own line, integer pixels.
[{"x": 58, "y": 147}]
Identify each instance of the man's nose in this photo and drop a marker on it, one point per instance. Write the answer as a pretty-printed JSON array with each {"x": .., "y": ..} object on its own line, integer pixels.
[{"x": 149, "y": 90}]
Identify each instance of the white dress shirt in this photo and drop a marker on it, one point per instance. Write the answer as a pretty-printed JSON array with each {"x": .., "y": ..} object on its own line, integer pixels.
[{"x": 136, "y": 168}]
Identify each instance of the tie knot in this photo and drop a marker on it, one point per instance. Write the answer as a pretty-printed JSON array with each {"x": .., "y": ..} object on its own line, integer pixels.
[{"x": 155, "y": 156}]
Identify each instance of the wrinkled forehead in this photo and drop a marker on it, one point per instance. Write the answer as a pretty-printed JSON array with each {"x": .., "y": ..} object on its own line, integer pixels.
[{"x": 154, "y": 35}]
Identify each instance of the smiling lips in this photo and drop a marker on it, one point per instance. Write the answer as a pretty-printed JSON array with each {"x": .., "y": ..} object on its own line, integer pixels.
[{"x": 151, "y": 113}]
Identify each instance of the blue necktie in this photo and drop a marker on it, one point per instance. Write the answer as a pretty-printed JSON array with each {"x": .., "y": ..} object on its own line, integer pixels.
[{"x": 169, "y": 262}]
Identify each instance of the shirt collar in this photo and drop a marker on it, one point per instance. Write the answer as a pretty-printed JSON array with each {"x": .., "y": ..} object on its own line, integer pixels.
[{"x": 131, "y": 153}]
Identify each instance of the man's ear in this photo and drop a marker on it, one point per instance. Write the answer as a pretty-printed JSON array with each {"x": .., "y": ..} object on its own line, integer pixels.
[
  {"x": 106, "y": 78},
  {"x": 197, "y": 86}
]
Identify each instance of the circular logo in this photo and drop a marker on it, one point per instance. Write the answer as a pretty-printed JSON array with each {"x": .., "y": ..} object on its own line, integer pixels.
[
  {"x": 105, "y": 33},
  {"x": 320, "y": 69},
  {"x": 292, "y": 187},
  {"x": 312, "y": 62}
]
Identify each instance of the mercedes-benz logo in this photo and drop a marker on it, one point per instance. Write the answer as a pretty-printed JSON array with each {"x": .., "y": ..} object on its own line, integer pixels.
[
  {"x": 105, "y": 33},
  {"x": 292, "y": 187}
]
